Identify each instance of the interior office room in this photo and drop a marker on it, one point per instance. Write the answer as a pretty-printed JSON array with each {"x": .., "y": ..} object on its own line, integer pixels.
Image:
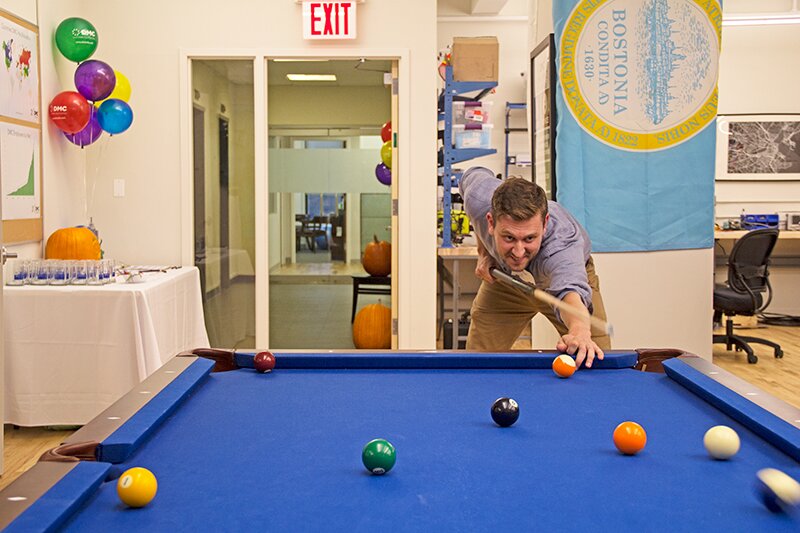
[{"x": 284, "y": 177}]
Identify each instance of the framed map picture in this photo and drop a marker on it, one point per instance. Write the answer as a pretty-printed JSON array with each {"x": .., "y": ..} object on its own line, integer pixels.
[
  {"x": 20, "y": 131},
  {"x": 19, "y": 74},
  {"x": 758, "y": 147}
]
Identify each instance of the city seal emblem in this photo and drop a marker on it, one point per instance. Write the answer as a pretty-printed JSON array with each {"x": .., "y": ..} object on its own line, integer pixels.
[{"x": 641, "y": 75}]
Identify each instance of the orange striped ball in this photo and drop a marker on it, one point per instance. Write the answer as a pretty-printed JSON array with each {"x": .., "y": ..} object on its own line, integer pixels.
[{"x": 564, "y": 366}]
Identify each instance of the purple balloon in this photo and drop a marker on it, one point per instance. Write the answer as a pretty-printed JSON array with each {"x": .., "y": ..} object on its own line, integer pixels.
[
  {"x": 95, "y": 80},
  {"x": 384, "y": 174},
  {"x": 87, "y": 135}
]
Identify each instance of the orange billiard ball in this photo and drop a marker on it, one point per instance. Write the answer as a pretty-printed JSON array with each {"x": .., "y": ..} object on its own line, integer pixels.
[
  {"x": 564, "y": 366},
  {"x": 630, "y": 438},
  {"x": 137, "y": 486}
]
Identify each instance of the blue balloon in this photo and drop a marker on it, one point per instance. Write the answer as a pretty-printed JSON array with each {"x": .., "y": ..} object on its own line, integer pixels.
[{"x": 115, "y": 116}]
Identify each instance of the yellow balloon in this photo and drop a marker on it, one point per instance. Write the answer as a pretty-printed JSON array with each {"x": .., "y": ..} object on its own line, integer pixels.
[
  {"x": 386, "y": 153},
  {"x": 122, "y": 89}
]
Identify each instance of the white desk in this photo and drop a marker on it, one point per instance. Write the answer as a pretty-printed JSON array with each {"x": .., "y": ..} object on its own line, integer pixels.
[
  {"x": 456, "y": 255},
  {"x": 72, "y": 351}
]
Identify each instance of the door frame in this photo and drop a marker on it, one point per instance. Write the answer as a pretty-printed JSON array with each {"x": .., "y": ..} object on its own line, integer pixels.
[{"x": 401, "y": 96}]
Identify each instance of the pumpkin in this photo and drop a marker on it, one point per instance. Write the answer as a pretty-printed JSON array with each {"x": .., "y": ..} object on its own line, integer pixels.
[
  {"x": 377, "y": 259},
  {"x": 372, "y": 327},
  {"x": 72, "y": 243}
]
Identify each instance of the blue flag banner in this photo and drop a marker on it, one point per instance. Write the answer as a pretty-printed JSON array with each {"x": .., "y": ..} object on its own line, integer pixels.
[{"x": 636, "y": 102}]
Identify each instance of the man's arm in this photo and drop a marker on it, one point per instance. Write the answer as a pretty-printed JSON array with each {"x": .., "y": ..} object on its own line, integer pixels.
[{"x": 578, "y": 339}]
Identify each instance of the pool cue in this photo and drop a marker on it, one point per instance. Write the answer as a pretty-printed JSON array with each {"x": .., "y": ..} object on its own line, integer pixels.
[{"x": 527, "y": 288}]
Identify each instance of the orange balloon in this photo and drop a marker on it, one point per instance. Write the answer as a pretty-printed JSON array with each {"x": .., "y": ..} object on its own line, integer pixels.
[{"x": 630, "y": 438}]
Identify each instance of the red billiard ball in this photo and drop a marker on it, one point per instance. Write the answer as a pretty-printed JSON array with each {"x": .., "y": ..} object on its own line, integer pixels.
[{"x": 264, "y": 361}]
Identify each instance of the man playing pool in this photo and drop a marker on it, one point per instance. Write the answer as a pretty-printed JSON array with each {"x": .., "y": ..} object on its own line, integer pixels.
[{"x": 520, "y": 232}]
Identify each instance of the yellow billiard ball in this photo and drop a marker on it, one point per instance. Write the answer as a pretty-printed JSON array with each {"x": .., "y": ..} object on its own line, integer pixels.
[{"x": 137, "y": 487}]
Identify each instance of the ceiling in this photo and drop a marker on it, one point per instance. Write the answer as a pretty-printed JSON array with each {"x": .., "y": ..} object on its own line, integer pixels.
[{"x": 349, "y": 72}]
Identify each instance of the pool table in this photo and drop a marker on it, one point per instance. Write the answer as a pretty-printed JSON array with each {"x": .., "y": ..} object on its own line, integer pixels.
[{"x": 238, "y": 450}]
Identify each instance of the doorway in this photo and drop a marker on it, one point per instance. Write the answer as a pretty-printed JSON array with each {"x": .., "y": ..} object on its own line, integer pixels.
[
  {"x": 223, "y": 154},
  {"x": 324, "y": 144},
  {"x": 265, "y": 164}
]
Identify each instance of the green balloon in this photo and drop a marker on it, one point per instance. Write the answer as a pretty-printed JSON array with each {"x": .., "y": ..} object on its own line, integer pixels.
[{"x": 76, "y": 38}]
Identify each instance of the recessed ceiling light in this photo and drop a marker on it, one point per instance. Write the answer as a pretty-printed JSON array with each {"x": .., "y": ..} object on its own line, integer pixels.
[{"x": 311, "y": 77}]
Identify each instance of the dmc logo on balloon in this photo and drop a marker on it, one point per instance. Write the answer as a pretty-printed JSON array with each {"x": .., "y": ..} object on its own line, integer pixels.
[{"x": 96, "y": 81}]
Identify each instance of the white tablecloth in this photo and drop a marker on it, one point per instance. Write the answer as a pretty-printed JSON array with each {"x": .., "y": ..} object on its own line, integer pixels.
[{"x": 72, "y": 351}]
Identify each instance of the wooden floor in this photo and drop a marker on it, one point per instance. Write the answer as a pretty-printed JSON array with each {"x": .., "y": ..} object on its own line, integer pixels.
[{"x": 779, "y": 377}]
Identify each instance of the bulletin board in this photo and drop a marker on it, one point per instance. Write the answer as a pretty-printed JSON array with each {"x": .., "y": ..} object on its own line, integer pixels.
[{"x": 20, "y": 131}]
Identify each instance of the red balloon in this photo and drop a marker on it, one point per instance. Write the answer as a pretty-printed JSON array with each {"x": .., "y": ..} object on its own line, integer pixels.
[
  {"x": 386, "y": 131},
  {"x": 70, "y": 111}
]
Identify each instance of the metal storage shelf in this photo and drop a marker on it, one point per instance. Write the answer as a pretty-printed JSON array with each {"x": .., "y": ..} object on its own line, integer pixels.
[
  {"x": 450, "y": 155},
  {"x": 509, "y": 107}
]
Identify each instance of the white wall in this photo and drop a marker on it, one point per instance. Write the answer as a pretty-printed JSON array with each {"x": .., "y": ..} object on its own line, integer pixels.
[
  {"x": 760, "y": 73},
  {"x": 24, "y": 9},
  {"x": 144, "y": 41},
  {"x": 769, "y": 56},
  {"x": 510, "y": 26}
]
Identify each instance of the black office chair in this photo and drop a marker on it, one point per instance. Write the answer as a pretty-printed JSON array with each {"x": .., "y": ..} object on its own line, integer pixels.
[{"x": 748, "y": 279}]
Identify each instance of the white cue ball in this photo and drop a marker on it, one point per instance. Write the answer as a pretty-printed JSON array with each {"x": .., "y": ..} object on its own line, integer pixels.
[{"x": 721, "y": 442}]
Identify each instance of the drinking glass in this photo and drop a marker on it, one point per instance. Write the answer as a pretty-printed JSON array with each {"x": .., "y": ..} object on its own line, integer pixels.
[
  {"x": 77, "y": 272},
  {"x": 93, "y": 276},
  {"x": 57, "y": 272},
  {"x": 37, "y": 273},
  {"x": 17, "y": 273}
]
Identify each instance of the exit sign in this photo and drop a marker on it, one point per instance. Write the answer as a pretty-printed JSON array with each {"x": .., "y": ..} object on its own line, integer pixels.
[{"x": 329, "y": 20}]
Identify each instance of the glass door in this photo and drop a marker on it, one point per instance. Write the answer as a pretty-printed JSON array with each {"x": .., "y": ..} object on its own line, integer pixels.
[
  {"x": 324, "y": 144},
  {"x": 224, "y": 197}
]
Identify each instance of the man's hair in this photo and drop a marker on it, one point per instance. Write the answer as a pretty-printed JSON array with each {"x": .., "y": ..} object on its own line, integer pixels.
[{"x": 519, "y": 199}]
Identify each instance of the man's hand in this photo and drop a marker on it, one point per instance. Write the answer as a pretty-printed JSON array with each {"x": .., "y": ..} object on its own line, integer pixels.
[
  {"x": 485, "y": 262},
  {"x": 578, "y": 339},
  {"x": 581, "y": 346}
]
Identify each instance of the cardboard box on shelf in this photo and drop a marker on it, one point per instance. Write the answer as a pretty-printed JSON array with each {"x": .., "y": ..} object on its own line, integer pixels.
[{"x": 475, "y": 58}]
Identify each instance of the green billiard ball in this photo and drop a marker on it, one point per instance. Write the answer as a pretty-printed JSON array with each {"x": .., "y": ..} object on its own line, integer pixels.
[{"x": 379, "y": 456}]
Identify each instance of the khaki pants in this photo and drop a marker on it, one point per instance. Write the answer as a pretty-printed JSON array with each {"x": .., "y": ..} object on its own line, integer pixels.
[{"x": 500, "y": 313}]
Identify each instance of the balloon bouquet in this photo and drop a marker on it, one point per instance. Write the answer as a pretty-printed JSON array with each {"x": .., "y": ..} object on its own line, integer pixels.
[
  {"x": 384, "y": 170},
  {"x": 108, "y": 90}
]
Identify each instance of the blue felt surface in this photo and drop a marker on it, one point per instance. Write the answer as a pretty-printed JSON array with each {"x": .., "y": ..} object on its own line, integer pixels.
[
  {"x": 282, "y": 452},
  {"x": 50, "y": 511},
  {"x": 778, "y": 432}
]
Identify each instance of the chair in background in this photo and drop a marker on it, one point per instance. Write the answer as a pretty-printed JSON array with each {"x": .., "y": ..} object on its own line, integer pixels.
[
  {"x": 312, "y": 228},
  {"x": 748, "y": 279}
]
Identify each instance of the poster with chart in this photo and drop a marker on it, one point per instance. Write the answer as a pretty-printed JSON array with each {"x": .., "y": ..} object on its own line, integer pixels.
[
  {"x": 19, "y": 73},
  {"x": 19, "y": 172}
]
